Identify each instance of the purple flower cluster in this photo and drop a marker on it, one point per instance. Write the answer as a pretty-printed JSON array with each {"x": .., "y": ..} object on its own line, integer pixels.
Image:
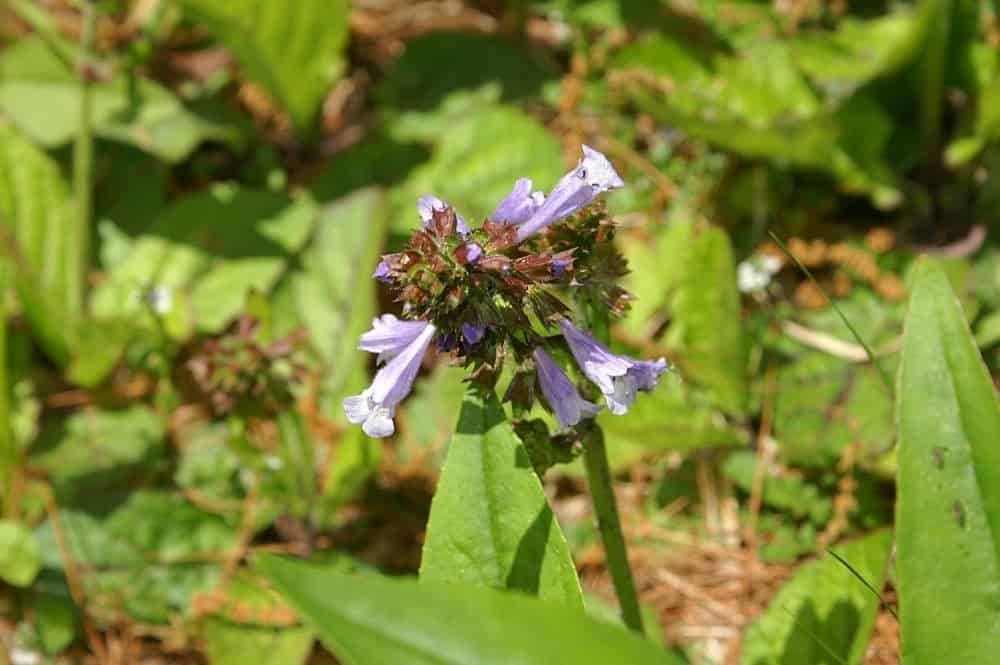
[{"x": 479, "y": 254}]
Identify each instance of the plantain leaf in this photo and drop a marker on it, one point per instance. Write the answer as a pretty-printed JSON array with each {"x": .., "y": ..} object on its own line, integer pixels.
[
  {"x": 490, "y": 524},
  {"x": 41, "y": 95},
  {"x": 948, "y": 506},
  {"x": 824, "y": 615},
  {"x": 706, "y": 331},
  {"x": 35, "y": 218},
  {"x": 296, "y": 54},
  {"x": 369, "y": 620}
]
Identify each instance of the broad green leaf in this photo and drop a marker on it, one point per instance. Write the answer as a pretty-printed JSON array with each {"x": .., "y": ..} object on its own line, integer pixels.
[
  {"x": 706, "y": 331},
  {"x": 208, "y": 251},
  {"x": 333, "y": 296},
  {"x": 858, "y": 51},
  {"x": 490, "y": 524},
  {"x": 369, "y": 620},
  {"x": 244, "y": 629},
  {"x": 822, "y": 404},
  {"x": 93, "y": 456},
  {"x": 948, "y": 505},
  {"x": 476, "y": 161},
  {"x": 758, "y": 103},
  {"x": 824, "y": 615},
  {"x": 296, "y": 53},
  {"x": 422, "y": 99},
  {"x": 672, "y": 417},
  {"x": 41, "y": 95},
  {"x": 55, "y": 615},
  {"x": 791, "y": 494},
  {"x": 19, "y": 556},
  {"x": 148, "y": 558},
  {"x": 36, "y": 218}
]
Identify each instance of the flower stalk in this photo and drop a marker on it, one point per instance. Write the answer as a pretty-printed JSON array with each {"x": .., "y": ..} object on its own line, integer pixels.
[
  {"x": 83, "y": 148},
  {"x": 595, "y": 460}
]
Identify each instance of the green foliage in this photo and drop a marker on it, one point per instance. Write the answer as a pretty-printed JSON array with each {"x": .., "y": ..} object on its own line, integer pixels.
[
  {"x": 824, "y": 615},
  {"x": 34, "y": 217},
  {"x": 93, "y": 456},
  {"x": 230, "y": 641},
  {"x": 41, "y": 95},
  {"x": 490, "y": 524},
  {"x": 366, "y": 619},
  {"x": 209, "y": 250},
  {"x": 297, "y": 55},
  {"x": 476, "y": 161},
  {"x": 19, "y": 556},
  {"x": 149, "y": 556},
  {"x": 948, "y": 513},
  {"x": 705, "y": 333}
]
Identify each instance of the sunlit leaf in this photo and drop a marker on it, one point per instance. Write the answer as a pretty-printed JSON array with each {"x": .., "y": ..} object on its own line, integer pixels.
[
  {"x": 948, "y": 509},
  {"x": 824, "y": 615},
  {"x": 36, "y": 218},
  {"x": 208, "y": 251},
  {"x": 490, "y": 524},
  {"x": 368, "y": 620},
  {"x": 19, "y": 557},
  {"x": 41, "y": 95},
  {"x": 297, "y": 55}
]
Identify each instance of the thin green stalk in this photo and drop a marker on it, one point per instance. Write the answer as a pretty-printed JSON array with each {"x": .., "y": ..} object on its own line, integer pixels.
[
  {"x": 932, "y": 80},
  {"x": 8, "y": 454},
  {"x": 595, "y": 458},
  {"x": 83, "y": 148}
]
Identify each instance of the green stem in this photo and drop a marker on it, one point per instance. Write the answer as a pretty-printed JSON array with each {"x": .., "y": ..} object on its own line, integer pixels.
[
  {"x": 83, "y": 148},
  {"x": 8, "y": 453},
  {"x": 932, "y": 84},
  {"x": 595, "y": 458}
]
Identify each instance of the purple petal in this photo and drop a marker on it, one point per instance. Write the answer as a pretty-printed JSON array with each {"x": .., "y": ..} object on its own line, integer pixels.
[
  {"x": 382, "y": 272},
  {"x": 473, "y": 252},
  {"x": 618, "y": 377},
  {"x": 519, "y": 205},
  {"x": 560, "y": 392},
  {"x": 389, "y": 336},
  {"x": 593, "y": 176},
  {"x": 473, "y": 333},
  {"x": 426, "y": 206},
  {"x": 375, "y": 407}
]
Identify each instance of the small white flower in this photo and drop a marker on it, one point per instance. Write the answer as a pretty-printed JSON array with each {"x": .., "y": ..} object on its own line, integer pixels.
[{"x": 755, "y": 273}]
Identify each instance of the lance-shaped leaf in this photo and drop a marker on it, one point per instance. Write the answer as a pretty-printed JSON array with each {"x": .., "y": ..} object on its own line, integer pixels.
[
  {"x": 948, "y": 507},
  {"x": 37, "y": 240},
  {"x": 369, "y": 620},
  {"x": 825, "y": 614},
  {"x": 296, "y": 51},
  {"x": 490, "y": 524}
]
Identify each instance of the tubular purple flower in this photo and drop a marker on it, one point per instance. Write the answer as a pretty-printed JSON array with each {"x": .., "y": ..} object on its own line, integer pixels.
[
  {"x": 426, "y": 206},
  {"x": 382, "y": 272},
  {"x": 473, "y": 333},
  {"x": 389, "y": 336},
  {"x": 618, "y": 377},
  {"x": 375, "y": 407},
  {"x": 560, "y": 392},
  {"x": 593, "y": 175},
  {"x": 519, "y": 205}
]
